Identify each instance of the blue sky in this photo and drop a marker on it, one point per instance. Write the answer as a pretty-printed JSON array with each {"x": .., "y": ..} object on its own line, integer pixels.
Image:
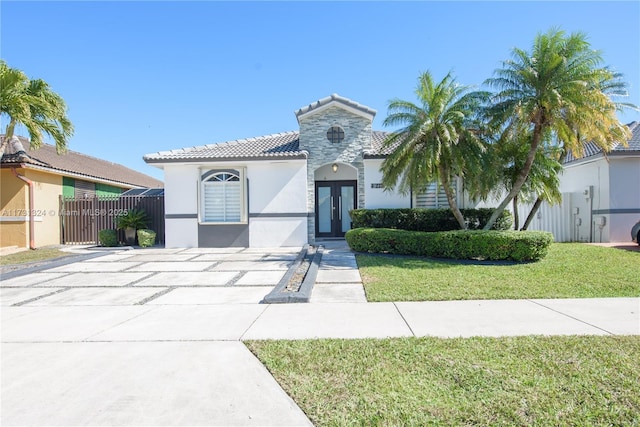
[{"x": 141, "y": 77}]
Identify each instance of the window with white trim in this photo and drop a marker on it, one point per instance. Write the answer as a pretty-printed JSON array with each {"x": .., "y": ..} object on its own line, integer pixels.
[{"x": 223, "y": 195}]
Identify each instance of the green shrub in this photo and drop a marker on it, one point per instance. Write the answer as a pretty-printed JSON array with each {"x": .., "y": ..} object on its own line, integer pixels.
[
  {"x": 427, "y": 219},
  {"x": 134, "y": 218},
  {"x": 458, "y": 244},
  {"x": 108, "y": 238},
  {"x": 146, "y": 238}
]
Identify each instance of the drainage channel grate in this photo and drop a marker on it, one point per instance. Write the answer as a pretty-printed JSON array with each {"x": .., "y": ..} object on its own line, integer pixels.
[{"x": 296, "y": 285}]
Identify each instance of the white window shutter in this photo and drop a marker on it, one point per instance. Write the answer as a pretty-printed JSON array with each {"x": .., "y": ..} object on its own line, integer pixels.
[
  {"x": 222, "y": 201},
  {"x": 433, "y": 196}
]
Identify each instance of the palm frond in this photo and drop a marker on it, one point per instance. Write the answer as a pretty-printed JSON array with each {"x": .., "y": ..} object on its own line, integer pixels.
[{"x": 32, "y": 103}]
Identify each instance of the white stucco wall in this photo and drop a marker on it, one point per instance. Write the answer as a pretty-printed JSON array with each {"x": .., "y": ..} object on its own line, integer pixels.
[
  {"x": 278, "y": 187},
  {"x": 624, "y": 178},
  {"x": 181, "y": 233},
  {"x": 181, "y": 206},
  {"x": 575, "y": 180},
  {"x": 577, "y": 177},
  {"x": 345, "y": 172},
  {"x": 625, "y": 183},
  {"x": 181, "y": 189},
  {"x": 377, "y": 198},
  {"x": 277, "y": 232},
  {"x": 277, "y": 195},
  {"x": 615, "y": 193}
]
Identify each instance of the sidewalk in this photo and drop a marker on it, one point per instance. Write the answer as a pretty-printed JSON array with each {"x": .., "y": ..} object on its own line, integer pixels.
[{"x": 115, "y": 350}]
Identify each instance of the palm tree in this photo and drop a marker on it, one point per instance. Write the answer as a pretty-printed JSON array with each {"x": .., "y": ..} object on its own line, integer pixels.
[
  {"x": 438, "y": 139},
  {"x": 555, "y": 90},
  {"x": 505, "y": 159},
  {"x": 32, "y": 104},
  {"x": 612, "y": 85}
]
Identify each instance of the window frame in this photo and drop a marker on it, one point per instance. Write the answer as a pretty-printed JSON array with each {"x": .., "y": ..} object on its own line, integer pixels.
[
  {"x": 205, "y": 176},
  {"x": 335, "y": 134}
]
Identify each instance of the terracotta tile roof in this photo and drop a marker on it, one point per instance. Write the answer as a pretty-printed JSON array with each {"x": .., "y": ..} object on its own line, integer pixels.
[
  {"x": 591, "y": 149},
  {"x": 73, "y": 162},
  {"x": 279, "y": 145}
]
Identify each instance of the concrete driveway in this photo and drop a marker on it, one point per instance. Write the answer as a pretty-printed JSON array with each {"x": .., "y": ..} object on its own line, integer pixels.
[
  {"x": 142, "y": 337},
  {"x": 156, "y": 276}
]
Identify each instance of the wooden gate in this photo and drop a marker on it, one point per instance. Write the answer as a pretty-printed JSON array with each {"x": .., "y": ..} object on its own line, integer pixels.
[{"x": 82, "y": 218}]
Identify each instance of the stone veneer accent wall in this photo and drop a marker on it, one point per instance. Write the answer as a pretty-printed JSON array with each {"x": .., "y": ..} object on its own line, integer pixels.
[{"x": 313, "y": 138}]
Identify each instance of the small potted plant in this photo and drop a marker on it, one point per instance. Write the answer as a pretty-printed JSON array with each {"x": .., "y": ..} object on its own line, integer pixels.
[
  {"x": 133, "y": 220},
  {"x": 146, "y": 238}
]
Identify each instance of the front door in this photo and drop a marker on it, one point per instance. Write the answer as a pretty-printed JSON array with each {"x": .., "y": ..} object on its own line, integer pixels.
[{"x": 334, "y": 200}]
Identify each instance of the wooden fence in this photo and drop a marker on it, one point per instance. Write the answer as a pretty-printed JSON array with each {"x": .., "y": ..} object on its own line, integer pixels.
[{"x": 82, "y": 218}]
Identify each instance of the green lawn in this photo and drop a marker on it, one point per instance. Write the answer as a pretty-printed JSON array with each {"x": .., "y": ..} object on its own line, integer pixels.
[
  {"x": 571, "y": 381},
  {"x": 32, "y": 256},
  {"x": 570, "y": 270}
]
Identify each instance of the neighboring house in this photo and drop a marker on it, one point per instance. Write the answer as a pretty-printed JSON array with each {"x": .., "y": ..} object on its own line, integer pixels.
[
  {"x": 600, "y": 195},
  {"x": 285, "y": 189},
  {"x": 43, "y": 176}
]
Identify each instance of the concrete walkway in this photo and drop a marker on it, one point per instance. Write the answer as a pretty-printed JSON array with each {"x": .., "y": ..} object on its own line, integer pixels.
[
  {"x": 153, "y": 337},
  {"x": 338, "y": 278}
]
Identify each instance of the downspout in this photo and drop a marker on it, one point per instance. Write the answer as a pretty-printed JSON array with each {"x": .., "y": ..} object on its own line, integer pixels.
[{"x": 32, "y": 244}]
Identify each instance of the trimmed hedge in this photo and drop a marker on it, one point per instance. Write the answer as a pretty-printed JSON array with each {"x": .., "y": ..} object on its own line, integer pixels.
[
  {"x": 459, "y": 244},
  {"x": 415, "y": 219},
  {"x": 108, "y": 238}
]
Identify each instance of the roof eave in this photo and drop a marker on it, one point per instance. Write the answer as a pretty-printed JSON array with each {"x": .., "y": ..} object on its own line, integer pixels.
[
  {"x": 71, "y": 174},
  {"x": 600, "y": 155},
  {"x": 624, "y": 153},
  {"x": 10, "y": 165},
  {"x": 301, "y": 156}
]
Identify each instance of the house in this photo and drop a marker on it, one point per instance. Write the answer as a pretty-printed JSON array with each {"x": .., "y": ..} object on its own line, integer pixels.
[
  {"x": 33, "y": 181},
  {"x": 292, "y": 188},
  {"x": 600, "y": 195},
  {"x": 285, "y": 189}
]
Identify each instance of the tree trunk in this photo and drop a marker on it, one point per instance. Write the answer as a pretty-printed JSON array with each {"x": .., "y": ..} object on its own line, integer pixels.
[
  {"x": 522, "y": 177},
  {"x": 444, "y": 181},
  {"x": 7, "y": 137},
  {"x": 539, "y": 200},
  {"x": 533, "y": 212},
  {"x": 516, "y": 219}
]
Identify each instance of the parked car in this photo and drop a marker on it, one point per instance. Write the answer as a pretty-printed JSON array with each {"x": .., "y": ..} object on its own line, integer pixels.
[{"x": 635, "y": 233}]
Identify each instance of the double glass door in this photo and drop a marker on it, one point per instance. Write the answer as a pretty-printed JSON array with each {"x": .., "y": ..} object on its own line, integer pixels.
[{"x": 334, "y": 200}]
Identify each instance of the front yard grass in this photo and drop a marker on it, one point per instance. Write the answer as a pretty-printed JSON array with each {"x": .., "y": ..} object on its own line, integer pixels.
[
  {"x": 474, "y": 381},
  {"x": 570, "y": 270},
  {"x": 35, "y": 255}
]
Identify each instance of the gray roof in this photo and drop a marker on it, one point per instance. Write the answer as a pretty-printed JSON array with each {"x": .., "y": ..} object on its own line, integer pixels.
[
  {"x": 378, "y": 151},
  {"x": 286, "y": 146},
  {"x": 277, "y": 146},
  {"x": 369, "y": 112},
  {"x": 280, "y": 145},
  {"x": 591, "y": 149}
]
